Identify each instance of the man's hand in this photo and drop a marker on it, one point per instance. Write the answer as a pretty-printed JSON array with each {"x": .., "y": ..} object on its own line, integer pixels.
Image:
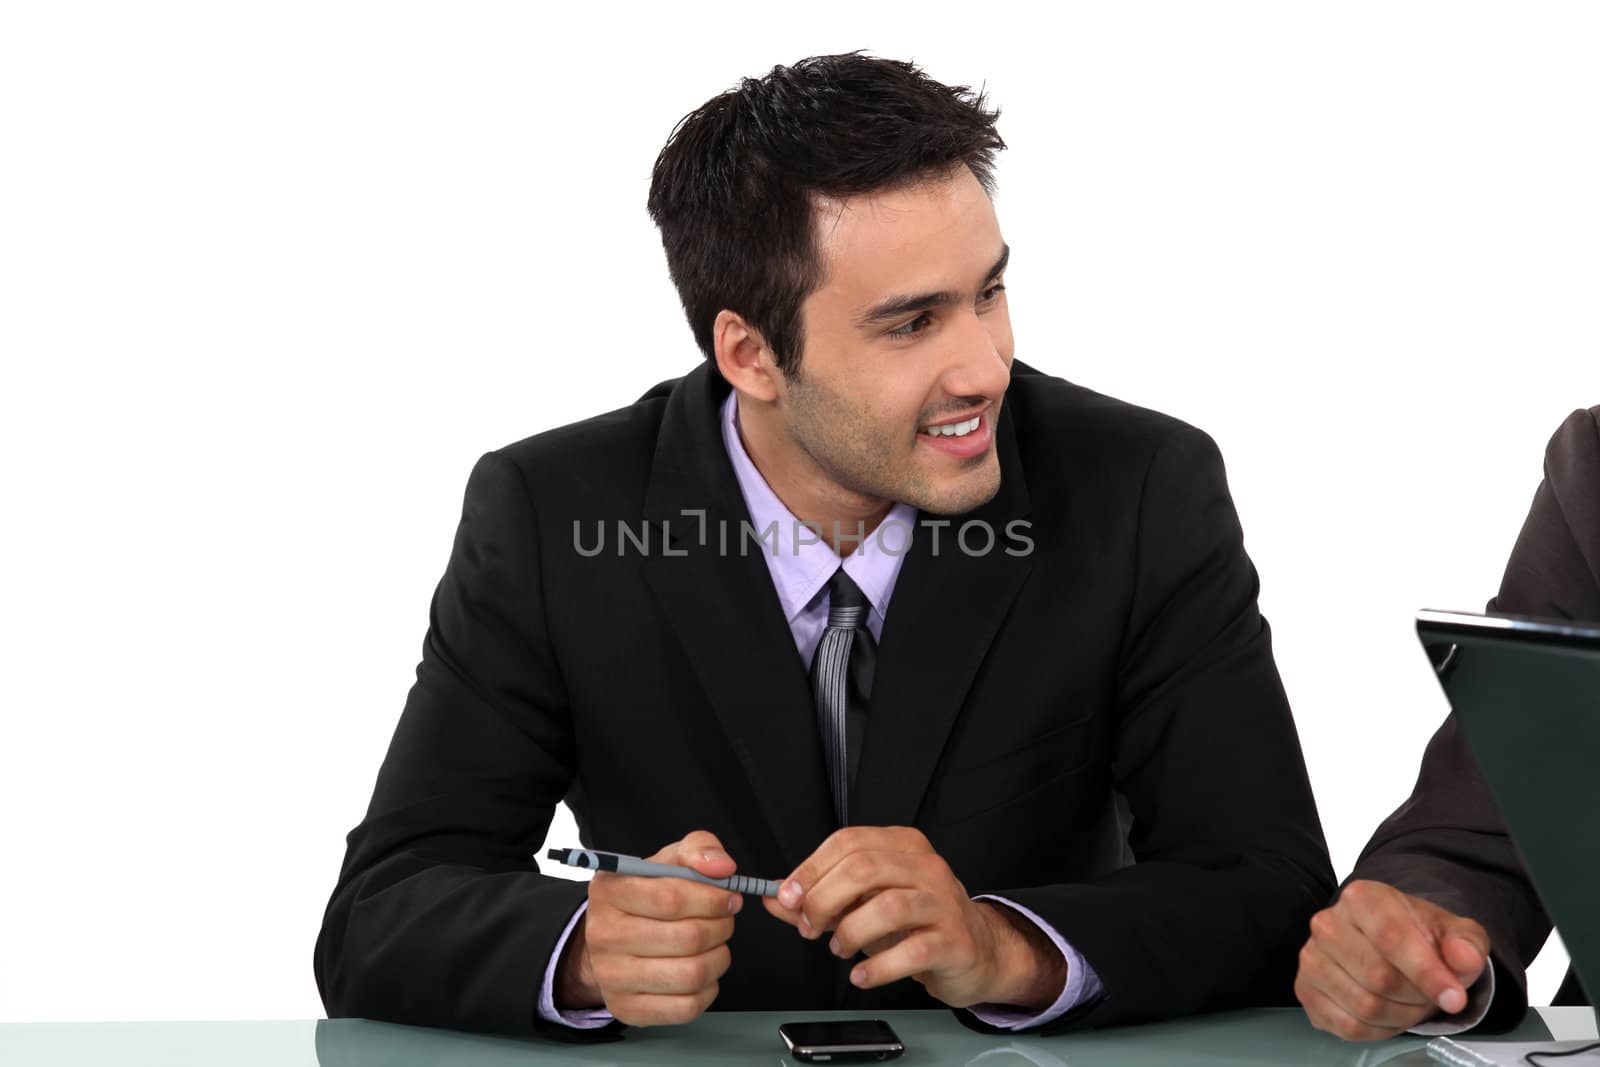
[
  {"x": 1379, "y": 962},
  {"x": 884, "y": 891},
  {"x": 652, "y": 949}
]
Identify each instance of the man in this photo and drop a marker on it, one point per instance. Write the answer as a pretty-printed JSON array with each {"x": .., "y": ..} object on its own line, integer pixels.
[
  {"x": 1439, "y": 921},
  {"x": 987, "y": 688}
]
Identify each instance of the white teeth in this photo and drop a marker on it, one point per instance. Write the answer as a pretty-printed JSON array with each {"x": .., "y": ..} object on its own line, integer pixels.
[{"x": 956, "y": 429}]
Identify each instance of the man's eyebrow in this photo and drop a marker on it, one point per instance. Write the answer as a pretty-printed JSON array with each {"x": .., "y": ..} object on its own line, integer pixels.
[{"x": 895, "y": 306}]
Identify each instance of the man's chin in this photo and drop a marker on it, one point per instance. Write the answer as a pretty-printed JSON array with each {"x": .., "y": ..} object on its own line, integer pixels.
[{"x": 968, "y": 495}]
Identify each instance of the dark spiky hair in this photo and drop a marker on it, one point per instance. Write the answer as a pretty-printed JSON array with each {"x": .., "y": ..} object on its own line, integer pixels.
[{"x": 733, "y": 190}]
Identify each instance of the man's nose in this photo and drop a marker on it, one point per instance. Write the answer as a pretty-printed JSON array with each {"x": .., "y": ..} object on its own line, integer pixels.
[{"x": 977, "y": 366}]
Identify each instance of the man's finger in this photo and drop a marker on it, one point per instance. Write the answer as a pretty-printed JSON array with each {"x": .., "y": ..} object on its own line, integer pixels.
[
  {"x": 843, "y": 843},
  {"x": 1337, "y": 939},
  {"x": 1327, "y": 1016},
  {"x": 674, "y": 898},
  {"x": 1397, "y": 927},
  {"x": 664, "y": 898},
  {"x": 858, "y": 878},
  {"x": 914, "y": 955},
  {"x": 1412, "y": 950},
  {"x": 776, "y": 909},
  {"x": 677, "y": 975},
  {"x": 631, "y": 935},
  {"x": 700, "y": 851},
  {"x": 1324, "y": 974},
  {"x": 882, "y": 921},
  {"x": 655, "y": 1009}
]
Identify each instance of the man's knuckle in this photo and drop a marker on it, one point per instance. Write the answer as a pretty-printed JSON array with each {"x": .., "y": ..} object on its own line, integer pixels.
[
  {"x": 640, "y": 1010},
  {"x": 598, "y": 934},
  {"x": 1308, "y": 958},
  {"x": 910, "y": 835},
  {"x": 861, "y": 866},
  {"x": 705, "y": 998},
  {"x": 696, "y": 973},
  {"x": 1366, "y": 1005},
  {"x": 1389, "y": 936},
  {"x": 1322, "y": 1019},
  {"x": 1323, "y": 924},
  {"x": 605, "y": 975},
  {"x": 666, "y": 898},
  {"x": 714, "y": 932},
  {"x": 1380, "y": 978},
  {"x": 1348, "y": 1028},
  {"x": 707, "y": 968}
]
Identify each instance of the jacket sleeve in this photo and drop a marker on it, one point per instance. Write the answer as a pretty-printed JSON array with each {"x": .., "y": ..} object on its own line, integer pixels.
[
  {"x": 1447, "y": 843},
  {"x": 439, "y": 918},
  {"x": 1230, "y": 856}
]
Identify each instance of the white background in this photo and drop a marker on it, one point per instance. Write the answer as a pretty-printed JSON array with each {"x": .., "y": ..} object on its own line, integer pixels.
[{"x": 273, "y": 276}]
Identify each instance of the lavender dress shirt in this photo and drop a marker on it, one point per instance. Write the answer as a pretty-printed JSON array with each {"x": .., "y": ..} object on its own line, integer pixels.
[{"x": 801, "y": 563}]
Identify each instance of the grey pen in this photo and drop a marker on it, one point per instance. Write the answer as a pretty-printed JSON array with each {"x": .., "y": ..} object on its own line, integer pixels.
[{"x": 590, "y": 860}]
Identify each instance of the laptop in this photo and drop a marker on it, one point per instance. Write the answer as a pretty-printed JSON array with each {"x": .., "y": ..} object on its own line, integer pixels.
[{"x": 1527, "y": 695}]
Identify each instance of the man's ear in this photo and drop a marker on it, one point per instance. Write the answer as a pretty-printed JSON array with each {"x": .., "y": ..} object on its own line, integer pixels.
[{"x": 743, "y": 357}]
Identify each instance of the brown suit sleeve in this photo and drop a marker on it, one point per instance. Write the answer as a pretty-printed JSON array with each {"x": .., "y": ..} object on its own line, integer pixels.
[{"x": 1447, "y": 843}]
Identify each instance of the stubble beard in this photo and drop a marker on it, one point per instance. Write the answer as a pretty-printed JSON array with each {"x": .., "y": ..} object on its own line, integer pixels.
[{"x": 854, "y": 454}]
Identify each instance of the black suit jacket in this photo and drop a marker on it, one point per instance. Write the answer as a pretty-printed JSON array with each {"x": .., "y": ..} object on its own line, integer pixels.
[
  {"x": 1448, "y": 843},
  {"x": 1094, "y": 728}
]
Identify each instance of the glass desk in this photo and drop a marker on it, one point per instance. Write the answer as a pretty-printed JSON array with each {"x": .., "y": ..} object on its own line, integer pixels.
[{"x": 1237, "y": 1039}]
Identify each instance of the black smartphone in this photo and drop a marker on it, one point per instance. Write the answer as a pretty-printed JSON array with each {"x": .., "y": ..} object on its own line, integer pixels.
[{"x": 841, "y": 1041}]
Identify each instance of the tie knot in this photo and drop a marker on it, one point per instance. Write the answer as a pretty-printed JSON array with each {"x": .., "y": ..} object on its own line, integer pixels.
[{"x": 847, "y": 604}]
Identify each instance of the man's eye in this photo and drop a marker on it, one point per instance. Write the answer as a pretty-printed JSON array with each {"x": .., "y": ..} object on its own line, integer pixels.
[
  {"x": 991, "y": 293},
  {"x": 912, "y": 328}
]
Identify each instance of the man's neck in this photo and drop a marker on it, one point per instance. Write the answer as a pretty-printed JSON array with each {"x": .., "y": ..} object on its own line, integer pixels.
[{"x": 840, "y": 517}]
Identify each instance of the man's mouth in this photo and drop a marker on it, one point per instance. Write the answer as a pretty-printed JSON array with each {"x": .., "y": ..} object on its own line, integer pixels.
[
  {"x": 954, "y": 429},
  {"x": 962, "y": 438}
]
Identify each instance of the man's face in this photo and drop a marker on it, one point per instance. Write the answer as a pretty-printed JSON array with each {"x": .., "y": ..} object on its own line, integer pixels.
[{"x": 909, "y": 331}]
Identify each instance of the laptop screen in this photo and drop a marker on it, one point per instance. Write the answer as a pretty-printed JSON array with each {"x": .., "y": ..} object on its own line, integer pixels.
[{"x": 1527, "y": 695}]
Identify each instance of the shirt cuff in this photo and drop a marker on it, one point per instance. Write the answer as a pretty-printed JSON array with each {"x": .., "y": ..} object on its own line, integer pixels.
[
  {"x": 583, "y": 1018},
  {"x": 1082, "y": 984},
  {"x": 1479, "y": 996}
]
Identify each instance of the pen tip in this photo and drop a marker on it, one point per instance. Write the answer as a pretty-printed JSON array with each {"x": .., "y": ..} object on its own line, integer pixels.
[{"x": 555, "y": 854}]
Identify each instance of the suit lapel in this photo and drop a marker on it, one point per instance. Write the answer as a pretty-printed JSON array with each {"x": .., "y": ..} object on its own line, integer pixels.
[
  {"x": 725, "y": 612},
  {"x": 946, "y": 608},
  {"x": 942, "y": 617}
]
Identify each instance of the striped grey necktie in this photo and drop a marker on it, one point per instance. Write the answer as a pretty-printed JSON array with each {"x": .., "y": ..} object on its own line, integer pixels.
[{"x": 841, "y": 683}]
